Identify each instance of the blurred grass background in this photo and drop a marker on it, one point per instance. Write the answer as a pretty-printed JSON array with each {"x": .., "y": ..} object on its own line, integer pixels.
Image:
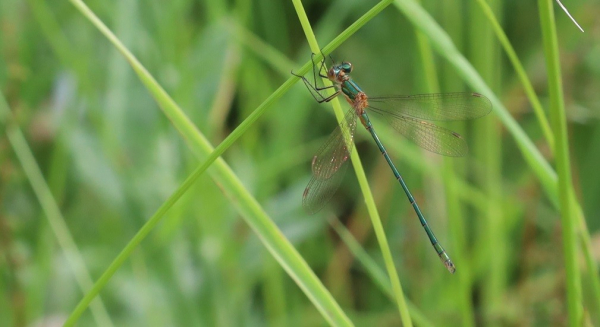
[{"x": 111, "y": 158}]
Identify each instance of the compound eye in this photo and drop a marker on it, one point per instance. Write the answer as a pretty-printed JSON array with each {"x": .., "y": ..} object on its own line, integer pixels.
[
  {"x": 331, "y": 73},
  {"x": 346, "y": 67}
]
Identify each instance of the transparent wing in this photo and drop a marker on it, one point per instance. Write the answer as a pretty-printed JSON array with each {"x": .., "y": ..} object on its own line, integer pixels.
[
  {"x": 329, "y": 165},
  {"x": 441, "y": 106},
  {"x": 426, "y": 135},
  {"x": 319, "y": 191}
]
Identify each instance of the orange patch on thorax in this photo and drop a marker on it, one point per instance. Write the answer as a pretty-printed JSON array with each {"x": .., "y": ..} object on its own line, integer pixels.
[{"x": 360, "y": 103}]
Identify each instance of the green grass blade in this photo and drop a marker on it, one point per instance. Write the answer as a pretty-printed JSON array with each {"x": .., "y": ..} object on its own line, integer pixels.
[
  {"x": 485, "y": 57},
  {"x": 586, "y": 245},
  {"x": 50, "y": 208},
  {"x": 563, "y": 167},
  {"x": 360, "y": 174},
  {"x": 514, "y": 60}
]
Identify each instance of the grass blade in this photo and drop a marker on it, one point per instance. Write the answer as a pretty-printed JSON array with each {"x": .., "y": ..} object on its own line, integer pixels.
[
  {"x": 360, "y": 174},
  {"x": 514, "y": 60},
  {"x": 563, "y": 167}
]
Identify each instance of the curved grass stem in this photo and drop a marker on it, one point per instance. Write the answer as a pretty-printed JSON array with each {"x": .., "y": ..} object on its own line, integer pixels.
[
  {"x": 359, "y": 171},
  {"x": 563, "y": 168}
]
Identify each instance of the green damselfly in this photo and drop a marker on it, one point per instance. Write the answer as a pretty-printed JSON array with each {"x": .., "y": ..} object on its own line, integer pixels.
[{"x": 408, "y": 115}]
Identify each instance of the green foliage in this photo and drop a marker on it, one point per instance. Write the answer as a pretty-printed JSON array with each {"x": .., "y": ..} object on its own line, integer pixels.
[{"x": 105, "y": 141}]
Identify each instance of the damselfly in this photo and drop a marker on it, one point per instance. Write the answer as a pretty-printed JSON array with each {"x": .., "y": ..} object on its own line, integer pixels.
[{"x": 408, "y": 115}]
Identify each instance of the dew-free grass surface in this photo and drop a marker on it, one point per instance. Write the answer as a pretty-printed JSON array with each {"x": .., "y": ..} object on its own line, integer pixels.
[{"x": 103, "y": 139}]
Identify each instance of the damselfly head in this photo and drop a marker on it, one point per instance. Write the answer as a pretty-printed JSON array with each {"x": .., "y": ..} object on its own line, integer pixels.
[{"x": 338, "y": 73}]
